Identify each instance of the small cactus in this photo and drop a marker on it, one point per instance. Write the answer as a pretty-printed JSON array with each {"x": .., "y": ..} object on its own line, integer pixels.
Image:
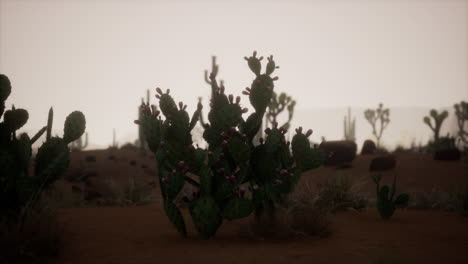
[
  {"x": 386, "y": 201},
  {"x": 461, "y": 111}
]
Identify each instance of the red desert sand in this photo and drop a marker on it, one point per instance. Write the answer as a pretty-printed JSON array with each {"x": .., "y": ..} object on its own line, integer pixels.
[{"x": 143, "y": 234}]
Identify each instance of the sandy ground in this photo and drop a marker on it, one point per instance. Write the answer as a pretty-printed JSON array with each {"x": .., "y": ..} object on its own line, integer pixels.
[{"x": 142, "y": 234}]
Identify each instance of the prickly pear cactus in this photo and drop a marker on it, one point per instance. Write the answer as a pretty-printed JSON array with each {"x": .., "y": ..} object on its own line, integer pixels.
[
  {"x": 386, "y": 203},
  {"x": 233, "y": 177},
  {"x": 17, "y": 187}
]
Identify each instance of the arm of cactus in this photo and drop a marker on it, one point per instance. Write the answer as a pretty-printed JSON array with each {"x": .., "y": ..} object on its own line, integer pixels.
[
  {"x": 38, "y": 135},
  {"x": 196, "y": 116}
]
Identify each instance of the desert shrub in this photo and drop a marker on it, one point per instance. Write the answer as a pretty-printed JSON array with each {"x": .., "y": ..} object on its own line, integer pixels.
[
  {"x": 455, "y": 199},
  {"x": 341, "y": 193},
  {"x": 309, "y": 219},
  {"x": 135, "y": 192}
]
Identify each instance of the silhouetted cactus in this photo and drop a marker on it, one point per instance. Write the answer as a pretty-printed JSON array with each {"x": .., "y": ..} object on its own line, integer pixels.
[
  {"x": 231, "y": 161},
  {"x": 438, "y": 120},
  {"x": 461, "y": 111},
  {"x": 386, "y": 204},
  {"x": 373, "y": 116},
  {"x": 17, "y": 188},
  {"x": 141, "y": 135},
  {"x": 349, "y": 127}
]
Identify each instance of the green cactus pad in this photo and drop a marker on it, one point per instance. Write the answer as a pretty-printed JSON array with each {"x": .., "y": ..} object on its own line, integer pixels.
[
  {"x": 75, "y": 125},
  {"x": 206, "y": 216},
  {"x": 5, "y": 87},
  {"x": 175, "y": 216},
  {"x": 15, "y": 119},
  {"x": 47, "y": 154},
  {"x": 237, "y": 208}
]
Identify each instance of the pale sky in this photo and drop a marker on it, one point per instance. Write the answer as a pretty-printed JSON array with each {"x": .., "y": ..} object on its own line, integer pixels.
[{"x": 101, "y": 56}]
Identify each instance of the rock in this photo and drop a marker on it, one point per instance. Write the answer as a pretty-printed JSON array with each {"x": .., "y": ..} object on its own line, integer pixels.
[
  {"x": 90, "y": 158},
  {"x": 451, "y": 154},
  {"x": 133, "y": 162},
  {"x": 368, "y": 147},
  {"x": 383, "y": 163},
  {"x": 339, "y": 152}
]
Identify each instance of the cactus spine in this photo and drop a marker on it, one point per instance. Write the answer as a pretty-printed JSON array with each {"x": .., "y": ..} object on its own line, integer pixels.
[
  {"x": 349, "y": 127},
  {"x": 438, "y": 120},
  {"x": 374, "y": 116},
  {"x": 231, "y": 161}
]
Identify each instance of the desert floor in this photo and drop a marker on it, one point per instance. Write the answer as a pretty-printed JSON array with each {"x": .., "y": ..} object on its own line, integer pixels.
[{"x": 143, "y": 234}]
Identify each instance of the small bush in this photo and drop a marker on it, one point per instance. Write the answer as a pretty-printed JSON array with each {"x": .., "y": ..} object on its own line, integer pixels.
[
  {"x": 136, "y": 192},
  {"x": 340, "y": 193},
  {"x": 455, "y": 200}
]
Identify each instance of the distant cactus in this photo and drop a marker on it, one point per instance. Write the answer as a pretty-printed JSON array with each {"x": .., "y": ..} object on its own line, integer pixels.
[
  {"x": 386, "y": 204},
  {"x": 231, "y": 161},
  {"x": 17, "y": 188},
  {"x": 461, "y": 111},
  {"x": 438, "y": 120},
  {"x": 114, "y": 145},
  {"x": 277, "y": 105},
  {"x": 349, "y": 127},
  {"x": 80, "y": 143},
  {"x": 374, "y": 116},
  {"x": 141, "y": 135}
]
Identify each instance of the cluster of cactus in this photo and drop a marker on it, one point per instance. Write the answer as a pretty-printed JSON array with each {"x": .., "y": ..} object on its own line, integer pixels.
[
  {"x": 438, "y": 120},
  {"x": 386, "y": 201},
  {"x": 233, "y": 177},
  {"x": 349, "y": 127},
  {"x": 17, "y": 188},
  {"x": 277, "y": 105},
  {"x": 374, "y": 116},
  {"x": 80, "y": 143},
  {"x": 461, "y": 111}
]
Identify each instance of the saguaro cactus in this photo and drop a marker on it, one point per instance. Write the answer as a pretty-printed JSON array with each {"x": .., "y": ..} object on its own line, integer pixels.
[
  {"x": 231, "y": 161},
  {"x": 374, "y": 116},
  {"x": 438, "y": 120},
  {"x": 349, "y": 127},
  {"x": 17, "y": 188},
  {"x": 461, "y": 111}
]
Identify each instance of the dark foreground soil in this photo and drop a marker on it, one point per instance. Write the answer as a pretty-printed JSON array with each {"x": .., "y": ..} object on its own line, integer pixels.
[{"x": 142, "y": 234}]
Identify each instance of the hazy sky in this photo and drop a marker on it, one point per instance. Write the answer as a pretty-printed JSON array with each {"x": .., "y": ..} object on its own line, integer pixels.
[{"x": 101, "y": 56}]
